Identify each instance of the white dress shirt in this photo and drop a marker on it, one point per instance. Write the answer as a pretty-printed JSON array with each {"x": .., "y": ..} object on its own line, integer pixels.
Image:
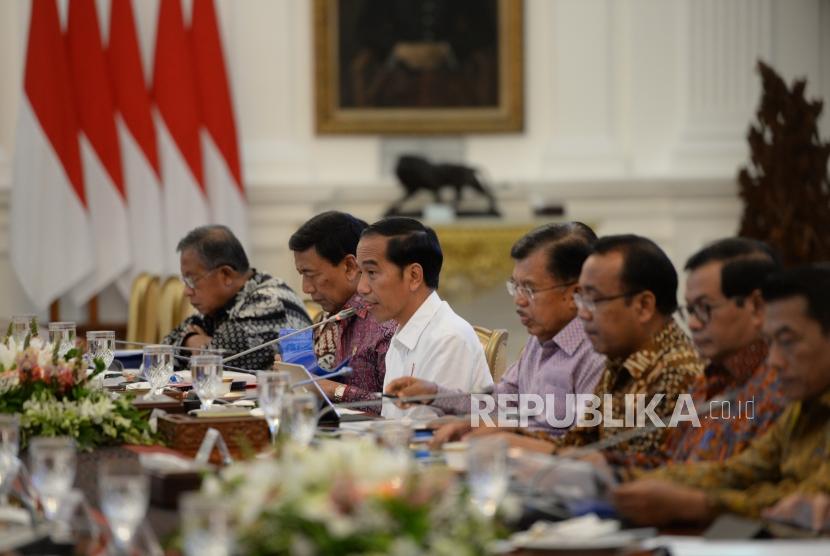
[{"x": 439, "y": 346}]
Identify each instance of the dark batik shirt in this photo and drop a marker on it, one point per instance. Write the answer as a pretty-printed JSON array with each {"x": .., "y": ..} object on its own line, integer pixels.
[
  {"x": 669, "y": 365},
  {"x": 747, "y": 399},
  {"x": 255, "y": 315}
]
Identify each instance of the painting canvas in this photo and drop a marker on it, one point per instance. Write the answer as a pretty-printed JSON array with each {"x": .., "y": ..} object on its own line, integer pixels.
[{"x": 431, "y": 66}]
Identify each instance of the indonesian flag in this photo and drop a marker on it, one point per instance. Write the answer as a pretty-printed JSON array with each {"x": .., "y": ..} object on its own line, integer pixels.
[
  {"x": 223, "y": 176},
  {"x": 51, "y": 240},
  {"x": 137, "y": 134},
  {"x": 100, "y": 150},
  {"x": 174, "y": 92}
]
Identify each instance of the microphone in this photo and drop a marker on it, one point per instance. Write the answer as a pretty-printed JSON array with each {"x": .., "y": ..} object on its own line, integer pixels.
[
  {"x": 180, "y": 348},
  {"x": 342, "y": 315},
  {"x": 341, "y": 372}
]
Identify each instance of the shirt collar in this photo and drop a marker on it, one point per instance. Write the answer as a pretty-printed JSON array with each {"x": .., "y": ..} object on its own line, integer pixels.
[
  {"x": 741, "y": 365},
  {"x": 641, "y": 362},
  {"x": 357, "y": 303},
  {"x": 568, "y": 339},
  {"x": 410, "y": 333}
]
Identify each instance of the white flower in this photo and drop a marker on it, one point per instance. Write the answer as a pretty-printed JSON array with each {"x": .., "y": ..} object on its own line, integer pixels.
[{"x": 8, "y": 353}]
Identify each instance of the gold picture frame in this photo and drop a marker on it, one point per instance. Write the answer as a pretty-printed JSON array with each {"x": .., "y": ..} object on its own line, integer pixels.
[{"x": 467, "y": 76}]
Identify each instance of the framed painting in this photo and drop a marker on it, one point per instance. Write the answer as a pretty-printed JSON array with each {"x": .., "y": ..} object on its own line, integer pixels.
[{"x": 419, "y": 67}]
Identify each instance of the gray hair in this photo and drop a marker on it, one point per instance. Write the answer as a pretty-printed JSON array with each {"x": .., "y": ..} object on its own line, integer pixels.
[{"x": 216, "y": 246}]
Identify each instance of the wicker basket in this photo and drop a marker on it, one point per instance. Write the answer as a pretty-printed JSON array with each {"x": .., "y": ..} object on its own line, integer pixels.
[{"x": 243, "y": 435}]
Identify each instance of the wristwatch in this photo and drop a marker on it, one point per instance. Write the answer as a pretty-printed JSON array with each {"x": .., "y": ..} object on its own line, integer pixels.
[{"x": 338, "y": 393}]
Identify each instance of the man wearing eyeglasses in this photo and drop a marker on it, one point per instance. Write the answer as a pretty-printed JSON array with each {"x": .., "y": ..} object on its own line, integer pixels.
[
  {"x": 238, "y": 307},
  {"x": 558, "y": 358},
  {"x": 741, "y": 395},
  {"x": 627, "y": 299},
  {"x": 784, "y": 474}
]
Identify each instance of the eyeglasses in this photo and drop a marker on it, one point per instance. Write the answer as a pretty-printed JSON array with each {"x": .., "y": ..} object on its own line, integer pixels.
[
  {"x": 528, "y": 292},
  {"x": 590, "y": 304},
  {"x": 192, "y": 282},
  {"x": 702, "y": 310}
]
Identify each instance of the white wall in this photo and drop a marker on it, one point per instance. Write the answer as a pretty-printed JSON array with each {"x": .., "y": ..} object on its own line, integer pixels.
[{"x": 635, "y": 116}]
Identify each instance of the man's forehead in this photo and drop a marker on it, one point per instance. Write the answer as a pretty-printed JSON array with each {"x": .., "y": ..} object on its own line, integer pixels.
[
  {"x": 602, "y": 268},
  {"x": 371, "y": 247},
  {"x": 788, "y": 313}
]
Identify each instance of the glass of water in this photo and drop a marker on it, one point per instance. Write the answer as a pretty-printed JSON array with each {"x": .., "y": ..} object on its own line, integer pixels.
[
  {"x": 205, "y": 528},
  {"x": 272, "y": 387},
  {"x": 206, "y": 375},
  {"x": 52, "y": 462},
  {"x": 302, "y": 418},
  {"x": 62, "y": 334},
  {"x": 487, "y": 473},
  {"x": 21, "y": 327},
  {"x": 100, "y": 344},
  {"x": 125, "y": 494},
  {"x": 9, "y": 446},
  {"x": 158, "y": 367}
]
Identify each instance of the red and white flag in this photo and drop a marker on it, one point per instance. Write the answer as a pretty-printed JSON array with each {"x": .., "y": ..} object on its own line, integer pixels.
[
  {"x": 223, "y": 176},
  {"x": 51, "y": 242},
  {"x": 137, "y": 134},
  {"x": 177, "y": 101},
  {"x": 100, "y": 150}
]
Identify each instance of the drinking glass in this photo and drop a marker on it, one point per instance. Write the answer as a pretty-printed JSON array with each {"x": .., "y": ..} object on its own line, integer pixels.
[
  {"x": 52, "y": 463},
  {"x": 206, "y": 375},
  {"x": 125, "y": 495},
  {"x": 487, "y": 473},
  {"x": 100, "y": 344},
  {"x": 158, "y": 366},
  {"x": 302, "y": 418},
  {"x": 21, "y": 326},
  {"x": 272, "y": 387},
  {"x": 9, "y": 445},
  {"x": 62, "y": 334},
  {"x": 205, "y": 527},
  {"x": 394, "y": 435}
]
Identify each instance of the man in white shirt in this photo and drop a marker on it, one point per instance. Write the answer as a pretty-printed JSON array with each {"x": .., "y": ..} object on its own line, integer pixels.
[{"x": 400, "y": 260}]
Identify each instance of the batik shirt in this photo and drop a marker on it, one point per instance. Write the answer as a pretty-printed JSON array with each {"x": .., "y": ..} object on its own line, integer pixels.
[
  {"x": 252, "y": 317},
  {"x": 793, "y": 456},
  {"x": 741, "y": 398},
  {"x": 669, "y": 365}
]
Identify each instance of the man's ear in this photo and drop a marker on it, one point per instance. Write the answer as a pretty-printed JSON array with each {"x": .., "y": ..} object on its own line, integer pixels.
[
  {"x": 414, "y": 275},
  {"x": 350, "y": 267},
  {"x": 646, "y": 305},
  {"x": 226, "y": 275},
  {"x": 569, "y": 297},
  {"x": 755, "y": 302}
]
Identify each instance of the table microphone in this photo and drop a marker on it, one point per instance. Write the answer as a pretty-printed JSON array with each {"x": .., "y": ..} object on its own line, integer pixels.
[{"x": 342, "y": 315}]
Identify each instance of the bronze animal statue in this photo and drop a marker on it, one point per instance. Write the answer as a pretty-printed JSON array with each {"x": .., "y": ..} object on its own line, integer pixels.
[{"x": 418, "y": 174}]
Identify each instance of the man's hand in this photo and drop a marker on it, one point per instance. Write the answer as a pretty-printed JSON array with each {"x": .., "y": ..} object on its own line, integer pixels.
[
  {"x": 808, "y": 511},
  {"x": 198, "y": 337},
  {"x": 657, "y": 502},
  {"x": 513, "y": 440},
  {"x": 409, "y": 386},
  {"x": 450, "y": 433},
  {"x": 328, "y": 386}
]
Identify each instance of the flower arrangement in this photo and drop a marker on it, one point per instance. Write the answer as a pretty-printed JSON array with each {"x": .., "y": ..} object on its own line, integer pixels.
[
  {"x": 348, "y": 496},
  {"x": 54, "y": 397}
]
